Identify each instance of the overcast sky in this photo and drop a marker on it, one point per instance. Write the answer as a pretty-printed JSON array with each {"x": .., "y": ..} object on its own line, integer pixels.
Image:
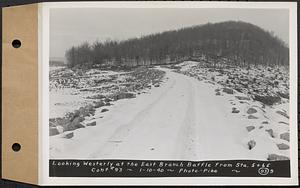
[{"x": 73, "y": 26}]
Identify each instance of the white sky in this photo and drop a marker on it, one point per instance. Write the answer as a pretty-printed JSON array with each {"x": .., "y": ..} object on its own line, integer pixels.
[{"x": 73, "y": 26}]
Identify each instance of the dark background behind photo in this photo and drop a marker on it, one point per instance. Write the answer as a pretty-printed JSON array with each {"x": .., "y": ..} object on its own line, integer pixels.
[{"x": 7, "y": 3}]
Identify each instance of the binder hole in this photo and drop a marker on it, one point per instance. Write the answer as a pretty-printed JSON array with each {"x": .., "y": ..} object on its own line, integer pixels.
[
  {"x": 16, "y": 147},
  {"x": 16, "y": 43}
]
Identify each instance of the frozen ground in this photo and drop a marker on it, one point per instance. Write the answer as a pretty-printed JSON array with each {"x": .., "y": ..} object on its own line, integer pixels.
[{"x": 183, "y": 119}]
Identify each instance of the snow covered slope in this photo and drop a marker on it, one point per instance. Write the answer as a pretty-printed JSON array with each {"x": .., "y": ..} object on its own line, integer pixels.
[{"x": 183, "y": 119}]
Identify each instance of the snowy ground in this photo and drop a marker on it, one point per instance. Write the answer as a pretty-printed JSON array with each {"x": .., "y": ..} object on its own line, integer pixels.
[{"x": 183, "y": 119}]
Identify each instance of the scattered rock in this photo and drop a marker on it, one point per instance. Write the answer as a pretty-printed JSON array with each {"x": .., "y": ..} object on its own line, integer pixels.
[
  {"x": 91, "y": 124},
  {"x": 98, "y": 96},
  {"x": 242, "y": 98},
  {"x": 53, "y": 131},
  {"x": 283, "y": 146},
  {"x": 252, "y": 117},
  {"x": 218, "y": 93},
  {"x": 283, "y": 114},
  {"x": 123, "y": 95},
  {"x": 251, "y": 144},
  {"x": 268, "y": 100},
  {"x": 217, "y": 90},
  {"x": 284, "y": 95},
  {"x": 60, "y": 129},
  {"x": 99, "y": 104},
  {"x": 104, "y": 110},
  {"x": 250, "y": 128},
  {"x": 107, "y": 100},
  {"x": 75, "y": 124},
  {"x": 251, "y": 111},
  {"x": 271, "y": 132},
  {"x": 52, "y": 123},
  {"x": 84, "y": 111},
  {"x": 79, "y": 125},
  {"x": 234, "y": 110},
  {"x": 285, "y": 136},
  {"x": 228, "y": 90},
  {"x": 69, "y": 135},
  {"x": 283, "y": 122},
  {"x": 275, "y": 157},
  {"x": 156, "y": 85},
  {"x": 76, "y": 114}
]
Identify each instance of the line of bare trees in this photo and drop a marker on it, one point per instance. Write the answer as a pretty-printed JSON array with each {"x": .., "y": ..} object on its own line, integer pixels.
[{"x": 238, "y": 41}]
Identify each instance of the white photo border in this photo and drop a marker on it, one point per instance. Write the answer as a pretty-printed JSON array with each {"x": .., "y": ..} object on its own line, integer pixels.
[{"x": 44, "y": 179}]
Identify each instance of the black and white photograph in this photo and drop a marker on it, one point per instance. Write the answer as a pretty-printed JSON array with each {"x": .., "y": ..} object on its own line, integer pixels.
[{"x": 169, "y": 84}]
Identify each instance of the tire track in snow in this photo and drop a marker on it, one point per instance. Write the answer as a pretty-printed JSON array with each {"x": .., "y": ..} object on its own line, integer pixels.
[
  {"x": 187, "y": 137},
  {"x": 124, "y": 129}
]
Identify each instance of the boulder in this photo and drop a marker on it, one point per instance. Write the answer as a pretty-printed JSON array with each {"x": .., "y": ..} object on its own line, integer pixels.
[
  {"x": 107, "y": 100},
  {"x": 250, "y": 128},
  {"x": 268, "y": 100},
  {"x": 60, "y": 129},
  {"x": 123, "y": 95},
  {"x": 84, "y": 111},
  {"x": 78, "y": 126},
  {"x": 275, "y": 157},
  {"x": 284, "y": 95},
  {"x": 282, "y": 122},
  {"x": 104, "y": 110},
  {"x": 283, "y": 146},
  {"x": 242, "y": 98},
  {"x": 228, "y": 90},
  {"x": 69, "y": 135},
  {"x": 234, "y": 110},
  {"x": 91, "y": 124},
  {"x": 283, "y": 114},
  {"x": 265, "y": 122},
  {"x": 271, "y": 132},
  {"x": 251, "y": 111},
  {"x": 98, "y": 96},
  {"x": 52, "y": 123},
  {"x": 252, "y": 117},
  {"x": 53, "y": 131},
  {"x": 251, "y": 144},
  {"x": 156, "y": 85},
  {"x": 76, "y": 113},
  {"x": 75, "y": 124},
  {"x": 91, "y": 109},
  {"x": 285, "y": 136},
  {"x": 218, "y": 93},
  {"x": 99, "y": 104},
  {"x": 61, "y": 121}
]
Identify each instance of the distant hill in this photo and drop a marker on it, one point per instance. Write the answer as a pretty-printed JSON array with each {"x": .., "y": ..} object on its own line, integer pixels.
[
  {"x": 240, "y": 42},
  {"x": 57, "y": 61}
]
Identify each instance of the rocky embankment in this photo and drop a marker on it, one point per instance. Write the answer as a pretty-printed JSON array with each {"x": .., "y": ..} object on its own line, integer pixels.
[
  {"x": 268, "y": 85},
  {"x": 259, "y": 95},
  {"x": 95, "y": 90}
]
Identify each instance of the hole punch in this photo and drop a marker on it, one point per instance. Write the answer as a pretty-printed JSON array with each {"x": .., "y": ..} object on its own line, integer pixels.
[
  {"x": 16, "y": 43},
  {"x": 16, "y": 147}
]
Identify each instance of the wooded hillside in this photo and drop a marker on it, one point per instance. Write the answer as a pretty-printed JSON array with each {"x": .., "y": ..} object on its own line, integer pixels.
[{"x": 238, "y": 42}]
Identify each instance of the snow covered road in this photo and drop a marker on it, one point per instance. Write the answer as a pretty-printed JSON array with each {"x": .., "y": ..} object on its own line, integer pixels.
[{"x": 182, "y": 119}]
